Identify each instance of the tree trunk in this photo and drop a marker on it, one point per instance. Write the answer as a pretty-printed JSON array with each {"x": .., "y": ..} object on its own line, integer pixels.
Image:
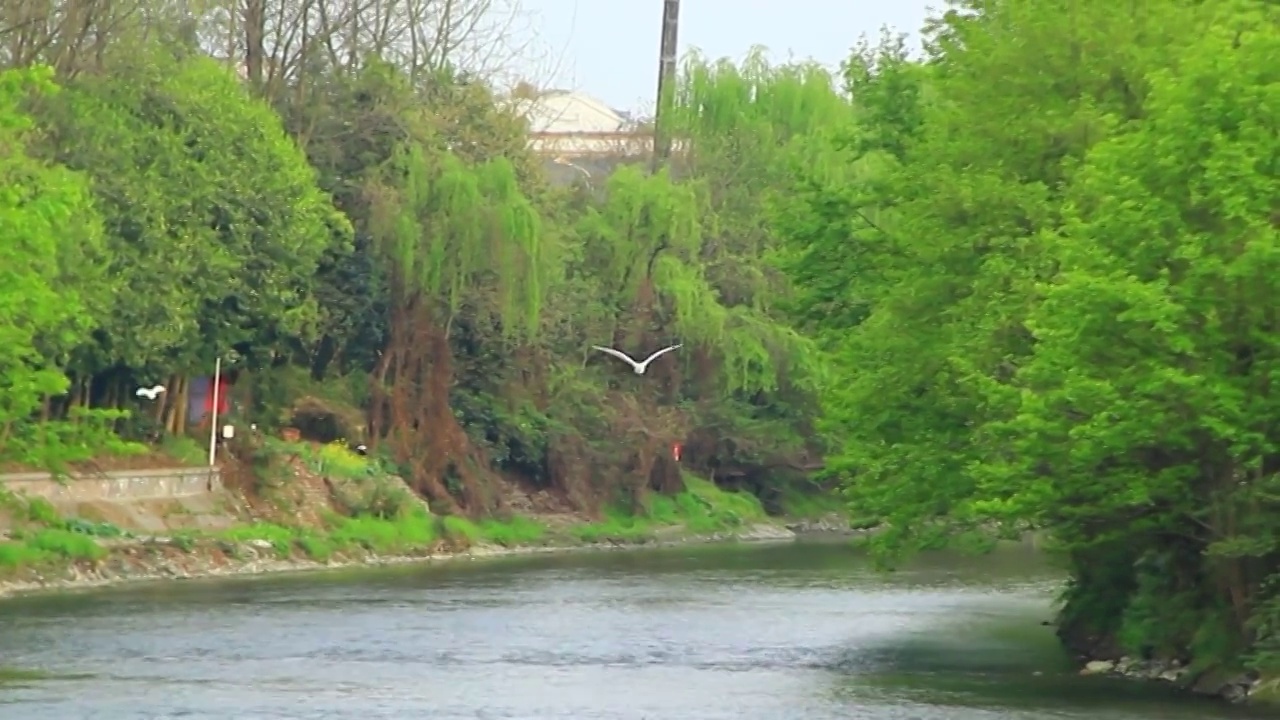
[
  {"x": 181, "y": 402},
  {"x": 163, "y": 413},
  {"x": 665, "y": 477}
]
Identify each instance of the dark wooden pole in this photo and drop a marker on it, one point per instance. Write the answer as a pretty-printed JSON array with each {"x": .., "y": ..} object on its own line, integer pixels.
[{"x": 666, "y": 80}]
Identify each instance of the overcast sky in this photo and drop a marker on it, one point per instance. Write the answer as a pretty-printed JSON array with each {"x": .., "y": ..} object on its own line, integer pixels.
[{"x": 609, "y": 48}]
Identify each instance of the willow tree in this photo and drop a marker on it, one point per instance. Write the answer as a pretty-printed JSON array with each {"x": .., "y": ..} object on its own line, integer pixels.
[
  {"x": 457, "y": 238},
  {"x": 643, "y": 249},
  {"x": 736, "y": 125}
]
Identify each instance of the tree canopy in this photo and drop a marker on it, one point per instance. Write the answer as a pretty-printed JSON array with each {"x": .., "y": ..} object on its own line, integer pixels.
[{"x": 1041, "y": 260}]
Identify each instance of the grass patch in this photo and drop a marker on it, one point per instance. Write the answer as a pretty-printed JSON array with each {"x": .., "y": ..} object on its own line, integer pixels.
[
  {"x": 18, "y": 555},
  {"x": 335, "y": 460},
  {"x": 513, "y": 531},
  {"x": 185, "y": 450},
  {"x": 414, "y": 529},
  {"x": 411, "y": 531},
  {"x": 1267, "y": 691},
  {"x": 282, "y": 538},
  {"x": 36, "y": 512},
  {"x": 65, "y": 544},
  {"x": 45, "y": 545},
  {"x": 459, "y": 528},
  {"x": 617, "y": 526},
  {"x": 509, "y": 532},
  {"x": 317, "y": 548},
  {"x": 42, "y": 512},
  {"x": 864, "y": 522},
  {"x": 811, "y": 503},
  {"x": 702, "y": 509},
  {"x": 705, "y": 508}
]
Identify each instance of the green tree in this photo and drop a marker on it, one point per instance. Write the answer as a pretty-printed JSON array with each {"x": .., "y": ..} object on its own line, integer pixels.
[
  {"x": 48, "y": 267},
  {"x": 1046, "y": 297},
  {"x": 1145, "y": 434},
  {"x": 448, "y": 231},
  {"x": 945, "y": 195},
  {"x": 214, "y": 222}
]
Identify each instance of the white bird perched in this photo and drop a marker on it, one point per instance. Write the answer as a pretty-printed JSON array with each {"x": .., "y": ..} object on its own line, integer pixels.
[
  {"x": 150, "y": 393},
  {"x": 639, "y": 367}
]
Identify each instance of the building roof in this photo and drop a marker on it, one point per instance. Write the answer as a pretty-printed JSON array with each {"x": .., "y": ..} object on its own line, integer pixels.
[{"x": 570, "y": 111}]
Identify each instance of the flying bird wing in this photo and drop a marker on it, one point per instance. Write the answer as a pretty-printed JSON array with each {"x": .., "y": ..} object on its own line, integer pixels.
[
  {"x": 663, "y": 351},
  {"x": 617, "y": 354}
]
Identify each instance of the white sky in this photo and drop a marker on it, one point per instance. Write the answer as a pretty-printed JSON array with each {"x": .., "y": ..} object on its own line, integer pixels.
[{"x": 609, "y": 48}]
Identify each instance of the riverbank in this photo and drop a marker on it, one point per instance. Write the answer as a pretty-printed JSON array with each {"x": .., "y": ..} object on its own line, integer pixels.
[
  {"x": 179, "y": 558},
  {"x": 1236, "y": 687},
  {"x": 1104, "y": 659},
  {"x": 307, "y": 507},
  {"x": 1232, "y": 687}
]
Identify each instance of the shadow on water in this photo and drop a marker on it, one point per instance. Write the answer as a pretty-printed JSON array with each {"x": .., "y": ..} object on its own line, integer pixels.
[{"x": 1008, "y": 660}]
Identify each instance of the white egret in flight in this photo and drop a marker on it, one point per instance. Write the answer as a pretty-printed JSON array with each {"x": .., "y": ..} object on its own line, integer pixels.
[{"x": 639, "y": 367}]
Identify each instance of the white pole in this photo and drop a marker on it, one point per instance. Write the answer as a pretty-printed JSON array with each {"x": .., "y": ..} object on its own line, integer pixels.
[{"x": 213, "y": 421}]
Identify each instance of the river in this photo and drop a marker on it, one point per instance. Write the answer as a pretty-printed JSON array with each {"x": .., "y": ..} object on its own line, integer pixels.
[{"x": 803, "y": 631}]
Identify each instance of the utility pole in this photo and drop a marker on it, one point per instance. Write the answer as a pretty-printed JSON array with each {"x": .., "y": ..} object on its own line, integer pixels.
[{"x": 666, "y": 80}]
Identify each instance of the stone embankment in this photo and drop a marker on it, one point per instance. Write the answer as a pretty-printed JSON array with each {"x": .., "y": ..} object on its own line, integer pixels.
[{"x": 1235, "y": 688}]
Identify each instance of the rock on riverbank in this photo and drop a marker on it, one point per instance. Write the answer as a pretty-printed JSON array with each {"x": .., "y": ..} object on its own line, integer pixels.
[
  {"x": 1235, "y": 688},
  {"x": 831, "y": 524},
  {"x": 1102, "y": 655},
  {"x": 165, "y": 558}
]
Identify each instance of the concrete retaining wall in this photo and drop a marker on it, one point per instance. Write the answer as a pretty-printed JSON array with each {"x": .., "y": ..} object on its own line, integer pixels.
[{"x": 119, "y": 485}]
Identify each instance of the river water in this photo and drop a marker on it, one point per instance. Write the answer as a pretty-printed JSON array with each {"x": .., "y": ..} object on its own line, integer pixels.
[{"x": 804, "y": 631}]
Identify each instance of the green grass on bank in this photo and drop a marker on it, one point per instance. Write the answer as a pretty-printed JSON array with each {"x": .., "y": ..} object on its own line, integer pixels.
[
  {"x": 811, "y": 503},
  {"x": 702, "y": 509},
  {"x": 808, "y": 501},
  {"x": 48, "y": 545},
  {"x": 43, "y": 538}
]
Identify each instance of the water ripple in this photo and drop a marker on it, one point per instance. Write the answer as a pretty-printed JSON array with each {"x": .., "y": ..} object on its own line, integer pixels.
[{"x": 784, "y": 633}]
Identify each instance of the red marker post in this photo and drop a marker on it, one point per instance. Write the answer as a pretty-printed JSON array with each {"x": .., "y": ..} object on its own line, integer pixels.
[{"x": 675, "y": 451}]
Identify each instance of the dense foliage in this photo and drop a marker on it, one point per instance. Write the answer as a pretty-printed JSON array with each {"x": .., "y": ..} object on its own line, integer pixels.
[
  {"x": 1045, "y": 259},
  {"x": 1023, "y": 283},
  {"x": 371, "y": 251}
]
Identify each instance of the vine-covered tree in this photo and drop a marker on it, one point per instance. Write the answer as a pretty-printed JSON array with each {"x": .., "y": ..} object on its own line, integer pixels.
[{"x": 448, "y": 230}]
